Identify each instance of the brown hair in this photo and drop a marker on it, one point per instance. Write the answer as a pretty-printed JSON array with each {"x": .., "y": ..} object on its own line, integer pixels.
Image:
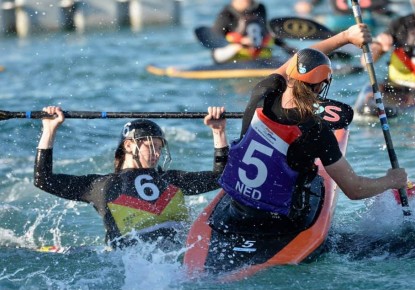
[
  {"x": 304, "y": 98},
  {"x": 119, "y": 157}
]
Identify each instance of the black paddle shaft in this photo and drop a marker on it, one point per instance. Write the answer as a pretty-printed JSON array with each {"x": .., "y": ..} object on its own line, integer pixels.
[
  {"x": 5, "y": 115},
  {"x": 381, "y": 108}
]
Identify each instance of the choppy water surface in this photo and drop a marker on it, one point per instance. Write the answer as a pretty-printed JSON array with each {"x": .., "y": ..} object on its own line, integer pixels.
[{"x": 369, "y": 246}]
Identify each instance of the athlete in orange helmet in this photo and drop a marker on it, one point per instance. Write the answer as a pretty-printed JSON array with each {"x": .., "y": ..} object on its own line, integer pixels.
[{"x": 271, "y": 170}]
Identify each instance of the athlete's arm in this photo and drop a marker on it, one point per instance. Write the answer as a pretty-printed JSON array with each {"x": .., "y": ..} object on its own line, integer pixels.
[
  {"x": 360, "y": 187},
  {"x": 357, "y": 34},
  {"x": 193, "y": 183},
  {"x": 215, "y": 121},
  {"x": 223, "y": 54},
  {"x": 62, "y": 185},
  {"x": 50, "y": 126},
  {"x": 353, "y": 185},
  {"x": 222, "y": 26},
  {"x": 199, "y": 182},
  {"x": 379, "y": 46},
  {"x": 385, "y": 41},
  {"x": 382, "y": 44},
  {"x": 65, "y": 186}
]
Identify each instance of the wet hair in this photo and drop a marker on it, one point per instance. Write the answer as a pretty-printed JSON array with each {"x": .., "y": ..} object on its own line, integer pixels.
[
  {"x": 305, "y": 99},
  {"x": 119, "y": 157}
]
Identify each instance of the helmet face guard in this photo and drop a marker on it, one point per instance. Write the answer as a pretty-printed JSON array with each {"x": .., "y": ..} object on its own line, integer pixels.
[
  {"x": 150, "y": 152},
  {"x": 146, "y": 130},
  {"x": 324, "y": 88}
]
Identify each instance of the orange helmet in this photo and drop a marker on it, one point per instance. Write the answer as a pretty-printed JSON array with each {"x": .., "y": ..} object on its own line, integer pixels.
[{"x": 310, "y": 66}]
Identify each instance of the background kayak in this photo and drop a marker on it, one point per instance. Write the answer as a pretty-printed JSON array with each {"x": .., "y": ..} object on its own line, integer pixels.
[
  {"x": 245, "y": 69},
  {"x": 280, "y": 28},
  {"x": 368, "y": 246}
]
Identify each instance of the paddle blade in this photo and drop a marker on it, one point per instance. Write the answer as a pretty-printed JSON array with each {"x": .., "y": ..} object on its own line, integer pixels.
[
  {"x": 210, "y": 39},
  {"x": 298, "y": 28}
]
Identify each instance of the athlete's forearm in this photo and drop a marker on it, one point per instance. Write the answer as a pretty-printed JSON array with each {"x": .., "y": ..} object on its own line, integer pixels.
[
  {"x": 224, "y": 54},
  {"x": 359, "y": 187},
  {"x": 357, "y": 35},
  {"x": 220, "y": 158},
  {"x": 47, "y": 139},
  {"x": 219, "y": 138},
  {"x": 330, "y": 44},
  {"x": 193, "y": 183}
]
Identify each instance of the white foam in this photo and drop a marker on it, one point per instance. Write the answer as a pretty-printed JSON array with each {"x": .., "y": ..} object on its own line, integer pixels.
[
  {"x": 385, "y": 215},
  {"x": 179, "y": 134},
  {"x": 147, "y": 267}
]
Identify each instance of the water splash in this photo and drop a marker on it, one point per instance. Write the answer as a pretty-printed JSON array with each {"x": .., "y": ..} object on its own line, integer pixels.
[
  {"x": 179, "y": 134},
  {"x": 381, "y": 232},
  {"x": 148, "y": 267}
]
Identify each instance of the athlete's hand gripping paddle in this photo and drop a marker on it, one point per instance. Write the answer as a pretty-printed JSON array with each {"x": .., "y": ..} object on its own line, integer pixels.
[{"x": 381, "y": 108}]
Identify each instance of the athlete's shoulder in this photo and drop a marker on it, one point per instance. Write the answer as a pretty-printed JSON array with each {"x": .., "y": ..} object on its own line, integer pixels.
[
  {"x": 336, "y": 114},
  {"x": 277, "y": 80},
  {"x": 103, "y": 178}
]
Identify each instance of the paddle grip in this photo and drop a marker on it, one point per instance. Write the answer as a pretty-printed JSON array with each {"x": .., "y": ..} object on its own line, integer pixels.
[{"x": 381, "y": 108}]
